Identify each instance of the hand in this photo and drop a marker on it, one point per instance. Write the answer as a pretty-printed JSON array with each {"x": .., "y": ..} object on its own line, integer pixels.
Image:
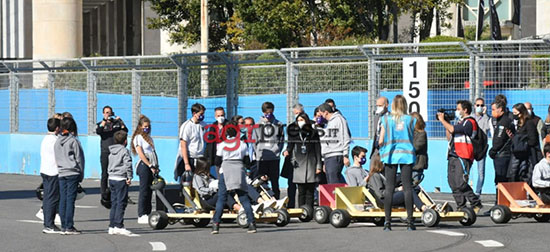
[
  {"x": 102, "y": 123},
  {"x": 187, "y": 167},
  {"x": 346, "y": 161},
  {"x": 509, "y": 133},
  {"x": 399, "y": 188},
  {"x": 285, "y": 153},
  {"x": 324, "y": 169},
  {"x": 117, "y": 118},
  {"x": 154, "y": 171},
  {"x": 485, "y": 110},
  {"x": 366, "y": 178},
  {"x": 128, "y": 181},
  {"x": 317, "y": 171},
  {"x": 440, "y": 116}
]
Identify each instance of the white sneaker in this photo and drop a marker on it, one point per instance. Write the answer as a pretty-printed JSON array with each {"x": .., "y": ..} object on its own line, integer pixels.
[
  {"x": 111, "y": 231},
  {"x": 258, "y": 208},
  {"x": 40, "y": 215},
  {"x": 124, "y": 231},
  {"x": 281, "y": 203},
  {"x": 57, "y": 220},
  {"x": 144, "y": 219}
]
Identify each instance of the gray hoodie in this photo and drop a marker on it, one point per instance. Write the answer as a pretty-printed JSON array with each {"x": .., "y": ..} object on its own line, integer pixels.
[
  {"x": 120, "y": 163},
  {"x": 336, "y": 140},
  {"x": 269, "y": 139},
  {"x": 541, "y": 174},
  {"x": 69, "y": 156}
]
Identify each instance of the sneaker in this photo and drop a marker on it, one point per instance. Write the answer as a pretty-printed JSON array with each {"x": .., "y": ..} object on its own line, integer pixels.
[
  {"x": 215, "y": 228},
  {"x": 111, "y": 231},
  {"x": 410, "y": 226},
  {"x": 40, "y": 214},
  {"x": 123, "y": 231},
  {"x": 258, "y": 208},
  {"x": 477, "y": 208},
  {"x": 144, "y": 219},
  {"x": 387, "y": 226},
  {"x": 251, "y": 228},
  {"x": 54, "y": 230},
  {"x": 281, "y": 203},
  {"x": 72, "y": 231},
  {"x": 57, "y": 220}
]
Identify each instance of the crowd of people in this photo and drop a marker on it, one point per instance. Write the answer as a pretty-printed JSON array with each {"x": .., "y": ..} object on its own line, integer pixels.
[{"x": 228, "y": 154}]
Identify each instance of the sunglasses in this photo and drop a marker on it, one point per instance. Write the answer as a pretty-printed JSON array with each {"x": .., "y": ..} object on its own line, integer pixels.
[{"x": 480, "y": 105}]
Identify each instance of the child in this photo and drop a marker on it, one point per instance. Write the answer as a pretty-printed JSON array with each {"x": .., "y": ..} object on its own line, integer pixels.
[
  {"x": 541, "y": 176},
  {"x": 70, "y": 163},
  {"x": 50, "y": 180},
  {"x": 356, "y": 175},
  {"x": 120, "y": 177}
]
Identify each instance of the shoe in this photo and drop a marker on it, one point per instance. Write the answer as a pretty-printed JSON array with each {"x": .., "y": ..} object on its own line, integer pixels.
[
  {"x": 124, "y": 231},
  {"x": 57, "y": 220},
  {"x": 387, "y": 226},
  {"x": 410, "y": 226},
  {"x": 144, "y": 219},
  {"x": 258, "y": 208},
  {"x": 215, "y": 228},
  {"x": 281, "y": 203},
  {"x": 477, "y": 208},
  {"x": 54, "y": 230},
  {"x": 40, "y": 214},
  {"x": 111, "y": 231},
  {"x": 251, "y": 228},
  {"x": 72, "y": 231}
]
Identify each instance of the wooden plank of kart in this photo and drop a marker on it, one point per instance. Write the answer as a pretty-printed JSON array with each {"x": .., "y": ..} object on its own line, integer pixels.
[{"x": 505, "y": 193}]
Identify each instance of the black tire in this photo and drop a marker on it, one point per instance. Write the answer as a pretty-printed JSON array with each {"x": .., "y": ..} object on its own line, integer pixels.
[
  {"x": 322, "y": 214},
  {"x": 242, "y": 220},
  {"x": 501, "y": 214},
  {"x": 268, "y": 210},
  {"x": 283, "y": 218},
  {"x": 542, "y": 217},
  {"x": 448, "y": 208},
  {"x": 200, "y": 223},
  {"x": 470, "y": 217},
  {"x": 379, "y": 221},
  {"x": 430, "y": 218},
  {"x": 340, "y": 218},
  {"x": 158, "y": 220},
  {"x": 307, "y": 213}
]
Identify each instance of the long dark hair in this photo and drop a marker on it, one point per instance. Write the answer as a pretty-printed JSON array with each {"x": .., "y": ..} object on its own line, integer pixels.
[
  {"x": 307, "y": 127},
  {"x": 523, "y": 112}
]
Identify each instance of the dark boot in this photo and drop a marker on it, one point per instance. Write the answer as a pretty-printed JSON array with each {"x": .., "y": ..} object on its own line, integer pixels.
[
  {"x": 410, "y": 226},
  {"x": 387, "y": 226},
  {"x": 251, "y": 228},
  {"x": 215, "y": 228}
]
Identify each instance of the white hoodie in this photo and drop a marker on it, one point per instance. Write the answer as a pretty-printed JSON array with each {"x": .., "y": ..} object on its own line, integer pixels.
[{"x": 541, "y": 174}]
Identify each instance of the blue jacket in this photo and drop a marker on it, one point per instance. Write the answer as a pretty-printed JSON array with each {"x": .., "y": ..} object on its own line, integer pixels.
[{"x": 398, "y": 145}]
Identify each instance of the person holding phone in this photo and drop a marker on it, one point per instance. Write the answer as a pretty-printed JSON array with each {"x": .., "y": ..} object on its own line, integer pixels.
[{"x": 501, "y": 152}]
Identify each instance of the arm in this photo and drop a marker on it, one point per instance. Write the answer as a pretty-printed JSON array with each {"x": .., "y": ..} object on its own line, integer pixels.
[
  {"x": 346, "y": 140},
  {"x": 281, "y": 137},
  {"x": 200, "y": 186},
  {"x": 127, "y": 160},
  {"x": 449, "y": 128},
  {"x": 537, "y": 178},
  {"x": 378, "y": 185},
  {"x": 185, "y": 155},
  {"x": 99, "y": 127},
  {"x": 532, "y": 133},
  {"x": 317, "y": 143},
  {"x": 420, "y": 141},
  {"x": 79, "y": 158}
]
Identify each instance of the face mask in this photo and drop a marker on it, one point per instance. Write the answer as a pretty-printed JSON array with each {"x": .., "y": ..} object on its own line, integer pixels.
[
  {"x": 479, "y": 110},
  {"x": 220, "y": 119},
  {"x": 516, "y": 117},
  {"x": 379, "y": 110},
  {"x": 530, "y": 111},
  {"x": 201, "y": 117},
  {"x": 458, "y": 115},
  {"x": 268, "y": 116},
  {"x": 146, "y": 130},
  {"x": 320, "y": 120},
  {"x": 301, "y": 124},
  {"x": 244, "y": 130},
  {"x": 296, "y": 116},
  {"x": 362, "y": 161}
]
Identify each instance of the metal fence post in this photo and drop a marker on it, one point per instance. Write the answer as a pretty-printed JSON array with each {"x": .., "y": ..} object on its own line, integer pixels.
[
  {"x": 292, "y": 87},
  {"x": 136, "y": 96},
  {"x": 51, "y": 94},
  {"x": 92, "y": 100},
  {"x": 373, "y": 94},
  {"x": 183, "y": 78},
  {"x": 472, "y": 77},
  {"x": 231, "y": 98},
  {"x": 479, "y": 71},
  {"x": 14, "y": 102}
]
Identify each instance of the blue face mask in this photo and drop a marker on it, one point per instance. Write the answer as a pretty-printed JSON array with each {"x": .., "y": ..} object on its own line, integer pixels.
[
  {"x": 146, "y": 130},
  {"x": 363, "y": 161},
  {"x": 201, "y": 117},
  {"x": 458, "y": 115},
  {"x": 269, "y": 116},
  {"x": 320, "y": 120}
]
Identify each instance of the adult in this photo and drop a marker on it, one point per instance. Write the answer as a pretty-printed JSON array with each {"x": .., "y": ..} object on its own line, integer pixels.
[
  {"x": 397, "y": 151},
  {"x": 501, "y": 152},
  {"x": 106, "y": 130},
  {"x": 293, "y": 130},
  {"x": 420, "y": 142},
  {"x": 536, "y": 119},
  {"x": 381, "y": 110},
  {"x": 484, "y": 123},
  {"x": 214, "y": 135},
  {"x": 191, "y": 136},
  {"x": 335, "y": 142},
  {"x": 545, "y": 131},
  {"x": 461, "y": 154}
]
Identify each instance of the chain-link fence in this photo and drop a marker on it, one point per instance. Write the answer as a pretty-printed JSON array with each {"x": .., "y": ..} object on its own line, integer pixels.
[{"x": 165, "y": 87}]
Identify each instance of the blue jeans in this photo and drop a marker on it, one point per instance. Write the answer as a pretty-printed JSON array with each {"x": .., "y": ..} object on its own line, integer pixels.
[
  {"x": 145, "y": 192},
  {"x": 67, "y": 197},
  {"x": 333, "y": 167},
  {"x": 480, "y": 175},
  {"x": 50, "y": 203},
  {"x": 222, "y": 198},
  {"x": 119, "y": 200}
]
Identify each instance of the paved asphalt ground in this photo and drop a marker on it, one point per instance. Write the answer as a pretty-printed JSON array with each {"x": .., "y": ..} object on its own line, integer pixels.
[{"x": 20, "y": 230}]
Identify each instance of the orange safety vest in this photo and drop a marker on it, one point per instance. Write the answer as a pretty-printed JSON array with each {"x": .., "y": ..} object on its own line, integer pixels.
[{"x": 463, "y": 143}]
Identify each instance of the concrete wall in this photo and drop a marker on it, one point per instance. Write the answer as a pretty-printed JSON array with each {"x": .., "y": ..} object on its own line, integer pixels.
[{"x": 543, "y": 18}]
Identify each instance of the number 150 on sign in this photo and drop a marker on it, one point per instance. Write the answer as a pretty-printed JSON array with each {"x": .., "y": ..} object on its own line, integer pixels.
[{"x": 415, "y": 84}]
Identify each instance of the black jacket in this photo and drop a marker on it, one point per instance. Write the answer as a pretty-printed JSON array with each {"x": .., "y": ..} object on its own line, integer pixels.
[
  {"x": 107, "y": 133},
  {"x": 501, "y": 142},
  {"x": 210, "y": 151},
  {"x": 420, "y": 143}
]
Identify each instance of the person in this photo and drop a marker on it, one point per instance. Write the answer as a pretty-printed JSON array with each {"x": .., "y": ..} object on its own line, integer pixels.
[
  {"x": 377, "y": 182},
  {"x": 69, "y": 158},
  {"x": 523, "y": 169},
  {"x": 292, "y": 132},
  {"x": 461, "y": 154},
  {"x": 536, "y": 119},
  {"x": 269, "y": 142},
  {"x": 420, "y": 142},
  {"x": 246, "y": 136},
  {"x": 232, "y": 157},
  {"x": 191, "y": 136},
  {"x": 484, "y": 122},
  {"x": 541, "y": 176},
  {"x": 106, "y": 129},
  {"x": 501, "y": 151},
  {"x": 213, "y": 135},
  {"x": 50, "y": 179},
  {"x": 207, "y": 187},
  {"x": 332, "y": 104},
  {"x": 120, "y": 177},
  {"x": 500, "y": 98},
  {"x": 356, "y": 175},
  {"x": 334, "y": 144},
  {"x": 397, "y": 151},
  {"x": 545, "y": 130},
  {"x": 381, "y": 110},
  {"x": 69, "y": 115},
  {"x": 146, "y": 166},
  {"x": 305, "y": 158}
]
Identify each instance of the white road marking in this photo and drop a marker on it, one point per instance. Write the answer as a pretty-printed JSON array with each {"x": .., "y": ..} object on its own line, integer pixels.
[
  {"x": 364, "y": 224},
  {"x": 445, "y": 232},
  {"x": 77, "y": 206},
  {"x": 158, "y": 246},
  {"x": 31, "y": 221},
  {"x": 490, "y": 244}
]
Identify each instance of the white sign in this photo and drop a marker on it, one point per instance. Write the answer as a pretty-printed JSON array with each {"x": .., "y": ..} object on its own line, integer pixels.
[{"x": 415, "y": 85}]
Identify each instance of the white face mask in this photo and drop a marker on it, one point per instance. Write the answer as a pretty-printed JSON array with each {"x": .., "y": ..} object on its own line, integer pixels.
[
  {"x": 220, "y": 119},
  {"x": 458, "y": 115},
  {"x": 479, "y": 110},
  {"x": 530, "y": 111},
  {"x": 301, "y": 124},
  {"x": 379, "y": 109}
]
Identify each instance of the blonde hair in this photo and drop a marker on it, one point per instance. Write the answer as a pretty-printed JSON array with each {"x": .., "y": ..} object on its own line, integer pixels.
[
  {"x": 398, "y": 107},
  {"x": 139, "y": 131}
]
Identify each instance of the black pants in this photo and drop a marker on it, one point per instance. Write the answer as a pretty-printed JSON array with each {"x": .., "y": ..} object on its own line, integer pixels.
[
  {"x": 501, "y": 165},
  {"x": 462, "y": 192},
  {"x": 291, "y": 191},
  {"x": 544, "y": 194},
  {"x": 104, "y": 157},
  {"x": 119, "y": 197},
  {"x": 145, "y": 192},
  {"x": 50, "y": 202},
  {"x": 305, "y": 194},
  {"x": 390, "y": 171},
  {"x": 333, "y": 167},
  {"x": 271, "y": 169}
]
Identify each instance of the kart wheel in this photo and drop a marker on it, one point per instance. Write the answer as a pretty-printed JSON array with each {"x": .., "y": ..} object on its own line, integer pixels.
[
  {"x": 430, "y": 218},
  {"x": 322, "y": 214},
  {"x": 268, "y": 210},
  {"x": 158, "y": 220},
  {"x": 242, "y": 220},
  {"x": 501, "y": 214},
  {"x": 283, "y": 218},
  {"x": 340, "y": 218},
  {"x": 200, "y": 223},
  {"x": 307, "y": 213},
  {"x": 379, "y": 221},
  {"x": 542, "y": 217},
  {"x": 470, "y": 217}
]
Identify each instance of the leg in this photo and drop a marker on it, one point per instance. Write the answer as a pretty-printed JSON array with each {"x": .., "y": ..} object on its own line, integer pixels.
[
  {"x": 455, "y": 179},
  {"x": 253, "y": 194},
  {"x": 480, "y": 176},
  {"x": 406, "y": 177},
  {"x": 122, "y": 198},
  {"x": 332, "y": 167},
  {"x": 291, "y": 192},
  {"x": 273, "y": 173},
  {"x": 114, "y": 203},
  {"x": 501, "y": 171},
  {"x": 145, "y": 193},
  {"x": 104, "y": 157},
  {"x": 51, "y": 199},
  {"x": 63, "y": 201},
  {"x": 72, "y": 185},
  {"x": 310, "y": 190},
  {"x": 301, "y": 194},
  {"x": 467, "y": 190},
  {"x": 398, "y": 199},
  {"x": 222, "y": 198},
  {"x": 389, "y": 171},
  {"x": 245, "y": 202}
]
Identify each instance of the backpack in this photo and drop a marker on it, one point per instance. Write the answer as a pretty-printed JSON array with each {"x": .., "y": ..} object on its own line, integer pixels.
[
  {"x": 520, "y": 146},
  {"x": 479, "y": 142}
]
